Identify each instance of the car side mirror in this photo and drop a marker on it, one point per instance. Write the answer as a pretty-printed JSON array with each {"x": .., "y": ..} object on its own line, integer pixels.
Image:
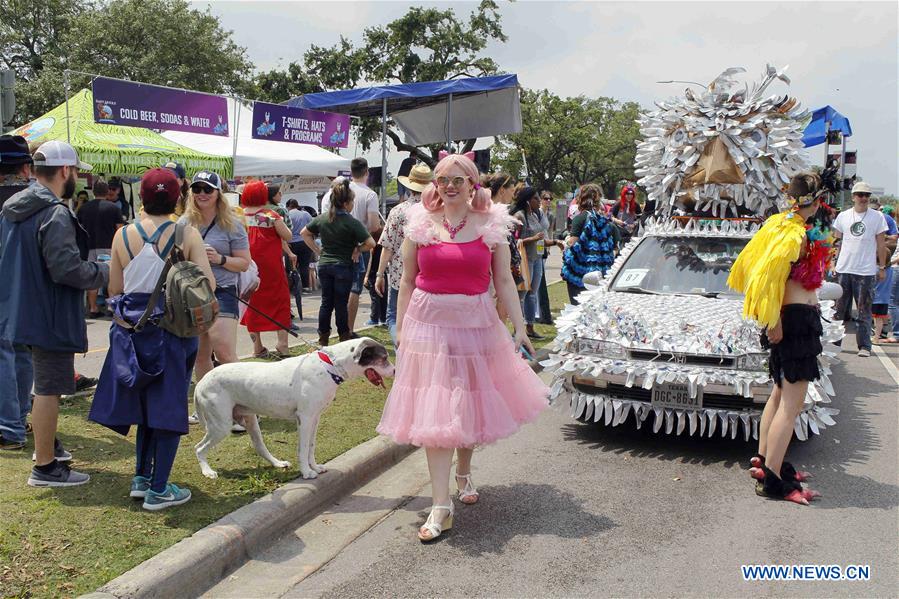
[
  {"x": 593, "y": 278},
  {"x": 830, "y": 291}
]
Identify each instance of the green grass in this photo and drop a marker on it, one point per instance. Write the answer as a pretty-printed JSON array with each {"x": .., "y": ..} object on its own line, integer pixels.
[{"x": 67, "y": 542}]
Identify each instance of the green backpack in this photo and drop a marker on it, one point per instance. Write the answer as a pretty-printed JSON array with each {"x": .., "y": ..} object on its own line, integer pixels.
[{"x": 190, "y": 304}]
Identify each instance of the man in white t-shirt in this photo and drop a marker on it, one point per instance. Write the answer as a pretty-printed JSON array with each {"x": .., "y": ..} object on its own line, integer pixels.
[
  {"x": 861, "y": 262},
  {"x": 365, "y": 210}
]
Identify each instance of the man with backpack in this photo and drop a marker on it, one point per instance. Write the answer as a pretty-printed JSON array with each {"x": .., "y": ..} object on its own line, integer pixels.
[{"x": 43, "y": 258}]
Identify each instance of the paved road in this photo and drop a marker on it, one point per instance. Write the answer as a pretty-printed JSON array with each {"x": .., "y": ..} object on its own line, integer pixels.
[
  {"x": 91, "y": 363},
  {"x": 570, "y": 509}
]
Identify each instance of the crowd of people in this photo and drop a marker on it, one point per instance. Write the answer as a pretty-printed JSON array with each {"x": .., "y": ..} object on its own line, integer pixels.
[{"x": 461, "y": 254}]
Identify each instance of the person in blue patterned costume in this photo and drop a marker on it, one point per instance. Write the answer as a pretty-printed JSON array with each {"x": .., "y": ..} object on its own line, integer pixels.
[{"x": 590, "y": 243}]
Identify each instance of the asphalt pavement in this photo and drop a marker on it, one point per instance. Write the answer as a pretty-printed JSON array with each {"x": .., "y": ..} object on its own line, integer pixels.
[{"x": 578, "y": 510}]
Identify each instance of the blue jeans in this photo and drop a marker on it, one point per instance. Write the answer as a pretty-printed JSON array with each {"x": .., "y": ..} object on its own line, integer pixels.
[
  {"x": 894, "y": 302},
  {"x": 392, "y": 298},
  {"x": 530, "y": 298},
  {"x": 336, "y": 281},
  {"x": 16, "y": 379},
  {"x": 861, "y": 289}
]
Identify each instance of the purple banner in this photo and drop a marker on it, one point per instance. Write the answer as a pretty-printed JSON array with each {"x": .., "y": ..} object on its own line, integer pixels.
[
  {"x": 299, "y": 125},
  {"x": 140, "y": 105}
]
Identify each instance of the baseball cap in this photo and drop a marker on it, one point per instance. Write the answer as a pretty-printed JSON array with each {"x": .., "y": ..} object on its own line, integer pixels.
[
  {"x": 861, "y": 187},
  {"x": 160, "y": 179},
  {"x": 14, "y": 150},
  {"x": 177, "y": 168},
  {"x": 209, "y": 178},
  {"x": 58, "y": 153}
]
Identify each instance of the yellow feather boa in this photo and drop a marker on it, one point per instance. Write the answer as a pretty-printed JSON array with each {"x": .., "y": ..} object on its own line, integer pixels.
[{"x": 761, "y": 270}]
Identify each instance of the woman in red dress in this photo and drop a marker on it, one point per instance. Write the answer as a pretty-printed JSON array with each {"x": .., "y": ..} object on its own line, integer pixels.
[{"x": 266, "y": 230}]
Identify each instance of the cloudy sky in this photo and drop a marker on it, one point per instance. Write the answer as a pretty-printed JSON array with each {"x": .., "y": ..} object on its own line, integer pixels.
[{"x": 845, "y": 54}]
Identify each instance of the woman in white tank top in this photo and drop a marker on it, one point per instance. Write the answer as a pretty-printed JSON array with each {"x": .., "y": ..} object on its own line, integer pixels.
[{"x": 146, "y": 374}]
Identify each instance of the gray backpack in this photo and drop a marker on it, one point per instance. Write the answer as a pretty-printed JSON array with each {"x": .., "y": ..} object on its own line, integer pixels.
[{"x": 190, "y": 304}]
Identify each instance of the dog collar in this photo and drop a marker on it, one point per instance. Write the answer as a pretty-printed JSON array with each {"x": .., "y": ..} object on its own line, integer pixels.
[{"x": 330, "y": 368}]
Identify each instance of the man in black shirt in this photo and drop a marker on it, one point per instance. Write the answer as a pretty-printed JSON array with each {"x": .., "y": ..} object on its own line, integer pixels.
[{"x": 101, "y": 218}]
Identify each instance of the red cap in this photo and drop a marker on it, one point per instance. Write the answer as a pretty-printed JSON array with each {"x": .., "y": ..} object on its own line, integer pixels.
[{"x": 160, "y": 179}]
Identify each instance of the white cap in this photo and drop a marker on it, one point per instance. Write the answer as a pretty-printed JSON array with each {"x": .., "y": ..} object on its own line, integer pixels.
[
  {"x": 58, "y": 153},
  {"x": 861, "y": 187}
]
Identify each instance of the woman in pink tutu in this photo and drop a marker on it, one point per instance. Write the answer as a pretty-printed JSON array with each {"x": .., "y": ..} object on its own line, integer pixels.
[{"x": 460, "y": 380}]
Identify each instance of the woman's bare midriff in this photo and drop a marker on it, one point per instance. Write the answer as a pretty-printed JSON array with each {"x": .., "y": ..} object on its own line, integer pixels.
[{"x": 795, "y": 293}]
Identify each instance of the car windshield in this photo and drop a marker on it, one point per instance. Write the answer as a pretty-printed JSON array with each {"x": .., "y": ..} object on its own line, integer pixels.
[{"x": 686, "y": 265}]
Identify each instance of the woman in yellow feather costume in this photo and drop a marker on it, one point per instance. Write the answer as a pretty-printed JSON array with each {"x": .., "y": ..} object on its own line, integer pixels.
[{"x": 778, "y": 272}]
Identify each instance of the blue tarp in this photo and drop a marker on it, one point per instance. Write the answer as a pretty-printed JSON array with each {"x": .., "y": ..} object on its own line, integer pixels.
[
  {"x": 816, "y": 132},
  {"x": 368, "y": 101}
]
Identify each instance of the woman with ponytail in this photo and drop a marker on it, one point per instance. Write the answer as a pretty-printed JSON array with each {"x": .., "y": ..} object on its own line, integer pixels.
[
  {"x": 343, "y": 238},
  {"x": 459, "y": 382}
]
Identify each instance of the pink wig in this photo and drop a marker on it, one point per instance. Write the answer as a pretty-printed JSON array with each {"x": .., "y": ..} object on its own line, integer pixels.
[{"x": 430, "y": 197}]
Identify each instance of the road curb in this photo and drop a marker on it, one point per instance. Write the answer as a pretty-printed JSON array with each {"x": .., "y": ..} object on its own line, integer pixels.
[{"x": 197, "y": 562}]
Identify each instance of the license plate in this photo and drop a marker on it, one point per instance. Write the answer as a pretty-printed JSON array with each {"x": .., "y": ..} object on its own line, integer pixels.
[{"x": 677, "y": 396}]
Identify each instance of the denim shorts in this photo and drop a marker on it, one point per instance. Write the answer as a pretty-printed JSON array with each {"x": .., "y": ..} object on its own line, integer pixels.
[
  {"x": 54, "y": 372},
  {"x": 359, "y": 274},
  {"x": 227, "y": 297}
]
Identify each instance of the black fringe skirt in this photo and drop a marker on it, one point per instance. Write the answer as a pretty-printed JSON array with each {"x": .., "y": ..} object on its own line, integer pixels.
[{"x": 795, "y": 358}]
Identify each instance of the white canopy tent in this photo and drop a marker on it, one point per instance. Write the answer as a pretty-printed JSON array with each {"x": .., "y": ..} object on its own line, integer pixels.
[{"x": 262, "y": 157}]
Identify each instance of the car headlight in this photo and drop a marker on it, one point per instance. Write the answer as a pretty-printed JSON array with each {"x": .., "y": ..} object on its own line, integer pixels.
[
  {"x": 753, "y": 362},
  {"x": 596, "y": 347}
]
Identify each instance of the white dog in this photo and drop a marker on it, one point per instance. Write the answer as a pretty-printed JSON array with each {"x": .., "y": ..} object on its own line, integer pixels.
[{"x": 296, "y": 388}]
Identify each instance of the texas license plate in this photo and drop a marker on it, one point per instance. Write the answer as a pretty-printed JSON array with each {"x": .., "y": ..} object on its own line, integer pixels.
[{"x": 677, "y": 396}]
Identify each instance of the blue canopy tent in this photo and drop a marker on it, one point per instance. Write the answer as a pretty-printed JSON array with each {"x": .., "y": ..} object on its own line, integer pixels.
[
  {"x": 432, "y": 111},
  {"x": 824, "y": 120}
]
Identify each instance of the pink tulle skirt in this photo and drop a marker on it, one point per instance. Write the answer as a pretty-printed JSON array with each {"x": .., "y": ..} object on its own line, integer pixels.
[{"x": 459, "y": 381}]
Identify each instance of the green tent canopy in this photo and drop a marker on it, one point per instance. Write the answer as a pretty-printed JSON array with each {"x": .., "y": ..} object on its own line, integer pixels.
[{"x": 112, "y": 149}]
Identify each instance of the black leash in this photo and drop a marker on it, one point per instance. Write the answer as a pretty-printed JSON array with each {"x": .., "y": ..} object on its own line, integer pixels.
[{"x": 260, "y": 313}]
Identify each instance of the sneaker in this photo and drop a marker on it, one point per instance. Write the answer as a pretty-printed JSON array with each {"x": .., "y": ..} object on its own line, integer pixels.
[
  {"x": 193, "y": 419},
  {"x": 59, "y": 452},
  {"x": 864, "y": 353},
  {"x": 83, "y": 383},
  {"x": 10, "y": 445},
  {"x": 237, "y": 428},
  {"x": 62, "y": 476},
  {"x": 173, "y": 495},
  {"x": 139, "y": 487},
  {"x": 371, "y": 323}
]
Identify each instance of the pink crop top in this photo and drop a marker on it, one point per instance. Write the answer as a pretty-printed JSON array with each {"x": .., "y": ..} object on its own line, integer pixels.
[{"x": 462, "y": 268}]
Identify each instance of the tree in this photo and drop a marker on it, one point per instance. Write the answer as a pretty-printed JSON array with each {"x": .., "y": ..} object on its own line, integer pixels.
[
  {"x": 164, "y": 42},
  {"x": 566, "y": 142},
  {"x": 425, "y": 44}
]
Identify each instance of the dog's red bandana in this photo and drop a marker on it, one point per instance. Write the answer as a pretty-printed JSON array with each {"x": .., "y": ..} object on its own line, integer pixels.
[{"x": 329, "y": 367}]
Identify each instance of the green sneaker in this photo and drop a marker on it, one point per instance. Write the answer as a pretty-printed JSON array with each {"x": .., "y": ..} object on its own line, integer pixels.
[
  {"x": 139, "y": 487},
  {"x": 172, "y": 495}
]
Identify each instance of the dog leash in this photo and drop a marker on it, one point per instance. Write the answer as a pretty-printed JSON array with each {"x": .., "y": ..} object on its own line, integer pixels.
[{"x": 260, "y": 312}]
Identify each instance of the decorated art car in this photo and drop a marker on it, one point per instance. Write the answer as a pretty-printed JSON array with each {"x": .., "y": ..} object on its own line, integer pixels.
[{"x": 661, "y": 340}]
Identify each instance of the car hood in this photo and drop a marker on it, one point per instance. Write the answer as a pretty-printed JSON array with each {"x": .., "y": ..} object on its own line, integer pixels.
[{"x": 690, "y": 324}]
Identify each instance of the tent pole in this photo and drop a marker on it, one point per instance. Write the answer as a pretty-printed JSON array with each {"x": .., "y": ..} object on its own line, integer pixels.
[
  {"x": 449, "y": 123},
  {"x": 384, "y": 157},
  {"x": 236, "y": 130},
  {"x": 65, "y": 83},
  {"x": 842, "y": 169}
]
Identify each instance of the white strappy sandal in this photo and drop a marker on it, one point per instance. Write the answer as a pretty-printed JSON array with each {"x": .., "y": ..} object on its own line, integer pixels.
[
  {"x": 467, "y": 494},
  {"x": 433, "y": 528}
]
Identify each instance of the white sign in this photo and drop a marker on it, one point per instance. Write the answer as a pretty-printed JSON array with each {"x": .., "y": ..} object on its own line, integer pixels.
[
  {"x": 631, "y": 277},
  {"x": 305, "y": 183}
]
